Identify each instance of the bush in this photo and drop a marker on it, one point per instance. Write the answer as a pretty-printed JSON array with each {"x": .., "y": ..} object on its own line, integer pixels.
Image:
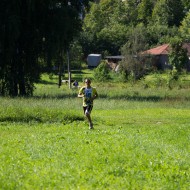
[{"x": 102, "y": 72}]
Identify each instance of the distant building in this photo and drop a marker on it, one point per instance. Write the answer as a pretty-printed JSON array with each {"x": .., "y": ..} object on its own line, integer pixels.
[
  {"x": 160, "y": 55},
  {"x": 94, "y": 60}
]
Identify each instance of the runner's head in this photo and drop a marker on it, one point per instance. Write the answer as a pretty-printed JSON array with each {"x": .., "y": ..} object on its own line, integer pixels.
[{"x": 87, "y": 82}]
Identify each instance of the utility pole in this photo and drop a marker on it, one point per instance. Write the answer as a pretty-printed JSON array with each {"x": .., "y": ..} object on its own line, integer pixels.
[
  {"x": 60, "y": 61},
  {"x": 69, "y": 73}
]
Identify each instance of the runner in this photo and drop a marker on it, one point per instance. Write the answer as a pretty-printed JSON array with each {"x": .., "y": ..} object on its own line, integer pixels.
[{"x": 88, "y": 94}]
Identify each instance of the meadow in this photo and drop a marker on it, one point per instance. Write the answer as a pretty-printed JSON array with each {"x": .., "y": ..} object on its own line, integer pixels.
[{"x": 140, "y": 141}]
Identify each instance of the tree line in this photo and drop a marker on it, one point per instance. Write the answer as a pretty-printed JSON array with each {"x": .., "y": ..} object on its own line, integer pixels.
[
  {"x": 127, "y": 27},
  {"x": 33, "y": 33},
  {"x": 111, "y": 24}
]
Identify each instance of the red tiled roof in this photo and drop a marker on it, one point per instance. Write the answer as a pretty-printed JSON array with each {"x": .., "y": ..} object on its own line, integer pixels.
[
  {"x": 164, "y": 50},
  {"x": 160, "y": 50}
]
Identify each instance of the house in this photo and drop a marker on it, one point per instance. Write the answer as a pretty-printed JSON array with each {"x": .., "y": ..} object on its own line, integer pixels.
[{"x": 160, "y": 54}]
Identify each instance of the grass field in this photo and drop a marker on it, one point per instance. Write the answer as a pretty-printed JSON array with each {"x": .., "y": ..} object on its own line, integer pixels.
[{"x": 140, "y": 141}]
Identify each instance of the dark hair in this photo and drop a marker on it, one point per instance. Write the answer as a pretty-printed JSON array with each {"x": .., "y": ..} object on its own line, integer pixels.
[{"x": 87, "y": 79}]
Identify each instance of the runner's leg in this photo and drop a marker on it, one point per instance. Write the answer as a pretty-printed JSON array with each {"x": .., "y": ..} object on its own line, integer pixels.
[{"x": 87, "y": 112}]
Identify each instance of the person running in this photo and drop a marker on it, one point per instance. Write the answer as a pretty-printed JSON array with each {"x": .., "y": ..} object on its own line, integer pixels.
[{"x": 88, "y": 94}]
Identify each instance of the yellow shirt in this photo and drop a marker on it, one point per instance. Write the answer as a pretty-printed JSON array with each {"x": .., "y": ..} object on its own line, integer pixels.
[{"x": 88, "y": 94}]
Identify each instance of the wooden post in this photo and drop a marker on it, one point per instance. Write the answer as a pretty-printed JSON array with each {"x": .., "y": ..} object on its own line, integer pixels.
[
  {"x": 60, "y": 73},
  {"x": 69, "y": 80},
  {"x": 60, "y": 69},
  {"x": 69, "y": 72}
]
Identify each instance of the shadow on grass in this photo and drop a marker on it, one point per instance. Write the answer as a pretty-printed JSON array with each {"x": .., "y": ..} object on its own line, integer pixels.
[
  {"x": 134, "y": 98},
  {"x": 27, "y": 119},
  {"x": 61, "y": 96},
  {"x": 151, "y": 98}
]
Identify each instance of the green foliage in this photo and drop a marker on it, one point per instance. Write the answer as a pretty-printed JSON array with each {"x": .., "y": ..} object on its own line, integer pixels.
[
  {"x": 88, "y": 42},
  {"x": 133, "y": 61},
  {"x": 103, "y": 30},
  {"x": 32, "y": 30},
  {"x": 119, "y": 76},
  {"x": 173, "y": 76},
  {"x": 132, "y": 77},
  {"x": 108, "y": 23},
  {"x": 168, "y": 12},
  {"x": 102, "y": 72},
  {"x": 99, "y": 16},
  {"x": 160, "y": 14},
  {"x": 186, "y": 4},
  {"x": 178, "y": 55},
  {"x": 185, "y": 28},
  {"x": 170, "y": 79},
  {"x": 160, "y": 33},
  {"x": 112, "y": 38},
  {"x": 145, "y": 11},
  {"x": 175, "y": 11},
  {"x": 131, "y": 12},
  {"x": 76, "y": 55}
]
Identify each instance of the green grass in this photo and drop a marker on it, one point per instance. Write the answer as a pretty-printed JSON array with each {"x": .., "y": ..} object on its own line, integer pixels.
[
  {"x": 142, "y": 149},
  {"x": 140, "y": 141}
]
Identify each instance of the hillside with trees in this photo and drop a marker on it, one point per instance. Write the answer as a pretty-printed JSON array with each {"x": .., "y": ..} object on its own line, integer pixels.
[
  {"x": 108, "y": 24},
  {"x": 113, "y": 27}
]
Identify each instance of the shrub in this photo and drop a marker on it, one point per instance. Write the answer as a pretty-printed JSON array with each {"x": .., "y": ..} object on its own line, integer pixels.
[{"x": 102, "y": 72}]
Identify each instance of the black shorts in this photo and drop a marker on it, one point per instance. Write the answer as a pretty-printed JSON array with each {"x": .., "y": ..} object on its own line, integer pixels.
[{"x": 89, "y": 108}]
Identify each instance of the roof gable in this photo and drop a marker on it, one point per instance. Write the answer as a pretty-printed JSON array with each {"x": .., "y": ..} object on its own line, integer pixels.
[
  {"x": 160, "y": 50},
  {"x": 164, "y": 50}
]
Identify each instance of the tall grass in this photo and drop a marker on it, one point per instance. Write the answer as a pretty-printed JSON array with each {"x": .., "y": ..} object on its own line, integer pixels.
[{"x": 38, "y": 110}]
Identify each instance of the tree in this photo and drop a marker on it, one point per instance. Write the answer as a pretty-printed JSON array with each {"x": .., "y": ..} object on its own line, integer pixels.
[
  {"x": 19, "y": 46},
  {"x": 131, "y": 12},
  {"x": 104, "y": 27},
  {"x": 133, "y": 61},
  {"x": 185, "y": 28},
  {"x": 175, "y": 11},
  {"x": 168, "y": 12},
  {"x": 186, "y": 4},
  {"x": 160, "y": 34},
  {"x": 99, "y": 16},
  {"x": 160, "y": 13},
  {"x": 29, "y": 30},
  {"x": 88, "y": 43},
  {"x": 112, "y": 38},
  {"x": 145, "y": 11},
  {"x": 178, "y": 55},
  {"x": 102, "y": 72},
  {"x": 76, "y": 55}
]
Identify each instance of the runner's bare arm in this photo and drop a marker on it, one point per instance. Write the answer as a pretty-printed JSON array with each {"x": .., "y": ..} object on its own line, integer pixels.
[
  {"x": 95, "y": 96},
  {"x": 80, "y": 95}
]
